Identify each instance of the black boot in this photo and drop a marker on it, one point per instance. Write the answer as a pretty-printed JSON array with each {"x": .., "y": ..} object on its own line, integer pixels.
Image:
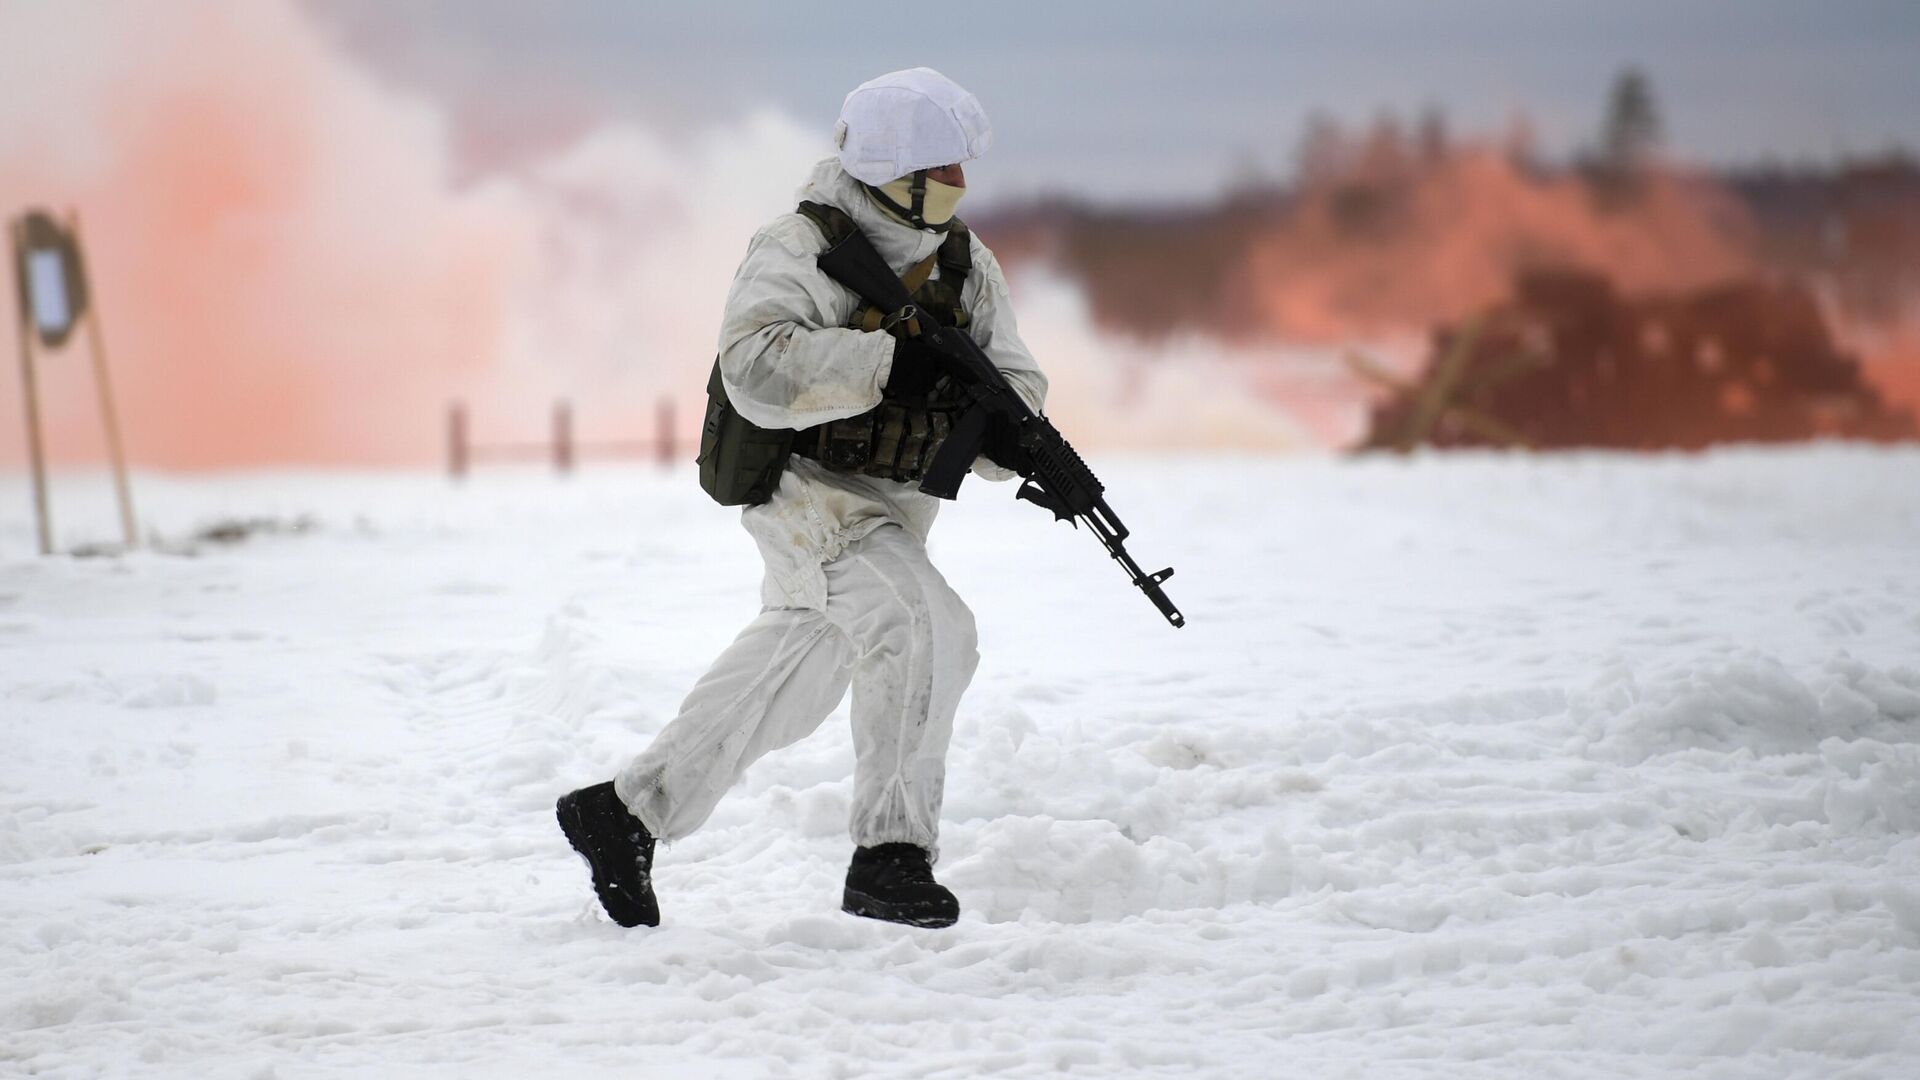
[
  {"x": 617, "y": 848},
  {"x": 895, "y": 882}
]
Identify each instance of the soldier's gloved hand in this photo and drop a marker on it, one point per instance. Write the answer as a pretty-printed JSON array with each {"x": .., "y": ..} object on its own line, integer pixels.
[
  {"x": 916, "y": 369},
  {"x": 1002, "y": 447}
]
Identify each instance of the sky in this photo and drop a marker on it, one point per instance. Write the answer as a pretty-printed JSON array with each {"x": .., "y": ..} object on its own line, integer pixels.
[{"x": 1156, "y": 102}]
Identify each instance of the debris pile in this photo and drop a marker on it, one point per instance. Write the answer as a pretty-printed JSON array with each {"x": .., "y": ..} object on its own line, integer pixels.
[{"x": 1568, "y": 362}]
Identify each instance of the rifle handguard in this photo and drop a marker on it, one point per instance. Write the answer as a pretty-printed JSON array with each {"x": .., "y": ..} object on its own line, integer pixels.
[
  {"x": 1058, "y": 481},
  {"x": 1059, "y": 468}
]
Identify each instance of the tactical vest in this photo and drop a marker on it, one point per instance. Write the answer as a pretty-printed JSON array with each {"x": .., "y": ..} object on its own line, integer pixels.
[{"x": 741, "y": 462}]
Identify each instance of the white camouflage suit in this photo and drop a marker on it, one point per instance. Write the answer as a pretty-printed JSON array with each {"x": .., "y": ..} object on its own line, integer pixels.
[{"x": 850, "y": 596}]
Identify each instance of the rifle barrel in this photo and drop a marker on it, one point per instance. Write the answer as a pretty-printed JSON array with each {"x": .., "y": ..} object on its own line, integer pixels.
[{"x": 1107, "y": 526}]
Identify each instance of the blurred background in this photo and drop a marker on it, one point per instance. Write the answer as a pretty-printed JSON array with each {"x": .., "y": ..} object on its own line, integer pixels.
[{"x": 311, "y": 226}]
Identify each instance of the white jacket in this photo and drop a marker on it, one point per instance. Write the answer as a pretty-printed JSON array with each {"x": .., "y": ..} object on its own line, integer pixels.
[{"x": 788, "y": 359}]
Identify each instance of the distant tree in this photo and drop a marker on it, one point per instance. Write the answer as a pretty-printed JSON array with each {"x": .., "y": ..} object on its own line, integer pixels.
[
  {"x": 1434, "y": 140},
  {"x": 1247, "y": 177},
  {"x": 1324, "y": 154},
  {"x": 1384, "y": 156},
  {"x": 1518, "y": 141},
  {"x": 1630, "y": 133}
]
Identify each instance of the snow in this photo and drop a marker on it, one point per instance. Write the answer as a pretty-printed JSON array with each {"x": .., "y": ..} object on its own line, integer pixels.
[{"x": 1466, "y": 766}]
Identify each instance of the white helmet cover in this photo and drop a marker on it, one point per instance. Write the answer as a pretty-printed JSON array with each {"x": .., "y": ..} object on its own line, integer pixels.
[{"x": 905, "y": 121}]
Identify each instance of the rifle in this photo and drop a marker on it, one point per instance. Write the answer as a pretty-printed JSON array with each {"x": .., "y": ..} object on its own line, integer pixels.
[{"x": 1052, "y": 474}]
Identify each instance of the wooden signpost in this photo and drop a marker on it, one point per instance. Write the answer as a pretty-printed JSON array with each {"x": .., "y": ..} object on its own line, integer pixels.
[{"x": 54, "y": 297}]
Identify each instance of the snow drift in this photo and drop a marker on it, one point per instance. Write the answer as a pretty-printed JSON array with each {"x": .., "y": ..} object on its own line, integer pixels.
[{"x": 1480, "y": 765}]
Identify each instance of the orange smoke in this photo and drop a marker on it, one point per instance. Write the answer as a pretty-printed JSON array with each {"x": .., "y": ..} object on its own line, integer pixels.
[
  {"x": 1371, "y": 254},
  {"x": 1367, "y": 252},
  {"x": 282, "y": 274},
  {"x": 1382, "y": 241},
  {"x": 1892, "y": 363},
  {"x": 289, "y": 272}
]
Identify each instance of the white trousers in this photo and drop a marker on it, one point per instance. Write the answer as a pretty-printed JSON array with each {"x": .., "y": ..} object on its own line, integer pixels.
[{"x": 894, "y": 630}]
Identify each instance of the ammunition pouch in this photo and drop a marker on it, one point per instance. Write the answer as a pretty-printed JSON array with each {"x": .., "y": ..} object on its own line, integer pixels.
[
  {"x": 741, "y": 463},
  {"x": 896, "y": 440}
]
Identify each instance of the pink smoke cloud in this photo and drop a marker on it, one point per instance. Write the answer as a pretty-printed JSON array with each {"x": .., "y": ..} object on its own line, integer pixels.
[{"x": 289, "y": 272}]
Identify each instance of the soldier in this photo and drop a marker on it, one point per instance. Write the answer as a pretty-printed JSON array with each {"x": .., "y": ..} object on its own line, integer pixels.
[{"x": 849, "y": 595}]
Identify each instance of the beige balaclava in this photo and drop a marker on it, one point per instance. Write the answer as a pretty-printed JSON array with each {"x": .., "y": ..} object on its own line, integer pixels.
[{"x": 936, "y": 205}]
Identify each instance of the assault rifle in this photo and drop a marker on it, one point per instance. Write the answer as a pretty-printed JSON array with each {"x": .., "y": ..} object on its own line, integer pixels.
[{"x": 1053, "y": 475}]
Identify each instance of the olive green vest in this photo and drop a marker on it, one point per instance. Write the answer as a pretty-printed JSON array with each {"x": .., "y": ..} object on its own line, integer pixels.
[{"x": 741, "y": 462}]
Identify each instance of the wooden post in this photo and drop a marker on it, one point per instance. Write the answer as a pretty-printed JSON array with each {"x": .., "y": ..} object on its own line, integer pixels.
[
  {"x": 664, "y": 415},
  {"x": 562, "y": 436},
  {"x": 36, "y": 453},
  {"x": 97, "y": 344},
  {"x": 1437, "y": 398},
  {"x": 456, "y": 440}
]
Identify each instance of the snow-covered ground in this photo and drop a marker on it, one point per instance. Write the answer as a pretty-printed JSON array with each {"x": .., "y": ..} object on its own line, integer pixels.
[{"x": 1478, "y": 766}]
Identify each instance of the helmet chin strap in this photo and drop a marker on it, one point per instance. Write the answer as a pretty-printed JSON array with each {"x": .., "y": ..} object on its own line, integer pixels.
[
  {"x": 916, "y": 213},
  {"x": 919, "y": 188}
]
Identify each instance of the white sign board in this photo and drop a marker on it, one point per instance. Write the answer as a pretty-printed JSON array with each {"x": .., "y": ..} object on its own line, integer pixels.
[{"x": 46, "y": 280}]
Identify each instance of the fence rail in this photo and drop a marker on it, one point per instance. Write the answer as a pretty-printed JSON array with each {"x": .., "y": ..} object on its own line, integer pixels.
[{"x": 561, "y": 447}]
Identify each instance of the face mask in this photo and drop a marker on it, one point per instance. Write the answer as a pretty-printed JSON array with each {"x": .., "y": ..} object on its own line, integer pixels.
[{"x": 937, "y": 206}]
